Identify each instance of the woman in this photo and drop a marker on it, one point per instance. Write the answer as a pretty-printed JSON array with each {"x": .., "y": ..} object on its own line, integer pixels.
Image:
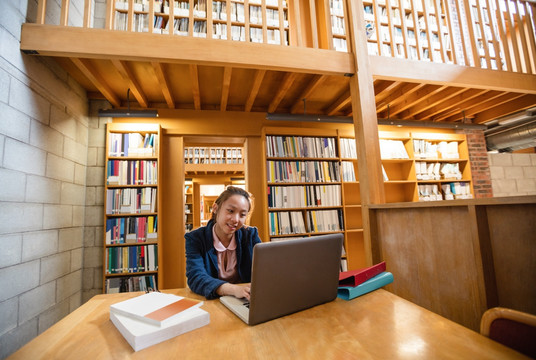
[{"x": 219, "y": 255}]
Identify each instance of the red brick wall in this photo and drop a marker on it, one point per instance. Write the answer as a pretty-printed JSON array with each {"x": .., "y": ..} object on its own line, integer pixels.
[{"x": 478, "y": 157}]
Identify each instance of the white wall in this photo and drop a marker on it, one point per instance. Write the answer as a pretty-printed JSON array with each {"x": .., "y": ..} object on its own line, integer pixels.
[
  {"x": 43, "y": 161},
  {"x": 513, "y": 174}
]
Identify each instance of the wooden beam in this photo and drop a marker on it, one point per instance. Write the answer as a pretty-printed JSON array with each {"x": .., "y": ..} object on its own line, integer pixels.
[
  {"x": 430, "y": 102},
  {"x": 164, "y": 85},
  {"x": 340, "y": 103},
  {"x": 413, "y": 98},
  {"x": 194, "y": 78},
  {"x": 397, "y": 96},
  {"x": 99, "y": 43},
  {"x": 64, "y": 15},
  {"x": 134, "y": 86},
  {"x": 87, "y": 13},
  {"x": 259, "y": 75},
  {"x": 285, "y": 86},
  {"x": 471, "y": 111},
  {"x": 41, "y": 12},
  {"x": 450, "y": 103},
  {"x": 523, "y": 102},
  {"x": 311, "y": 86},
  {"x": 85, "y": 67},
  {"x": 460, "y": 108},
  {"x": 226, "y": 81},
  {"x": 387, "y": 68}
]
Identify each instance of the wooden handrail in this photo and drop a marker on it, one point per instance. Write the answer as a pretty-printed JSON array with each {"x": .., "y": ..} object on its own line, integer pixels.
[{"x": 490, "y": 34}]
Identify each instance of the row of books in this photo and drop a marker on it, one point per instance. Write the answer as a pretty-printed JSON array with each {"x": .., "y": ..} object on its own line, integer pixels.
[
  {"x": 131, "y": 283},
  {"x": 128, "y": 230},
  {"x": 301, "y": 146},
  {"x": 130, "y": 201},
  {"x": 437, "y": 171},
  {"x": 340, "y": 45},
  {"x": 456, "y": 190},
  {"x": 213, "y": 155},
  {"x": 131, "y": 259},
  {"x": 132, "y": 172},
  {"x": 429, "y": 192},
  {"x": 304, "y": 196},
  {"x": 132, "y": 144},
  {"x": 348, "y": 149},
  {"x": 348, "y": 173},
  {"x": 337, "y": 25},
  {"x": 393, "y": 149},
  {"x": 303, "y": 171},
  {"x": 140, "y": 22},
  {"x": 425, "y": 149},
  {"x": 293, "y": 222}
]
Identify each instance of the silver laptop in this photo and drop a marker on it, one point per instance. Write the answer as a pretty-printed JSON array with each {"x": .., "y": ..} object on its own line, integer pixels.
[{"x": 289, "y": 276}]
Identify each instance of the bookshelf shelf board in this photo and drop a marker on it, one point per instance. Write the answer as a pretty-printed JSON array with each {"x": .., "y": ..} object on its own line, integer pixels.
[
  {"x": 108, "y": 275},
  {"x": 442, "y": 181},
  {"x": 403, "y": 182},
  {"x": 132, "y": 158},
  {"x": 114, "y": 186},
  {"x": 289, "y": 183},
  {"x": 131, "y": 214},
  {"x": 312, "y": 208},
  {"x": 288, "y": 158},
  {"x": 354, "y": 230},
  {"x": 396, "y": 161},
  {"x": 133, "y": 244}
]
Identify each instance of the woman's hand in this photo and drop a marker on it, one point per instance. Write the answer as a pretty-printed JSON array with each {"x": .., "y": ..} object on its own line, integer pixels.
[{"x": 237, "y": 290}]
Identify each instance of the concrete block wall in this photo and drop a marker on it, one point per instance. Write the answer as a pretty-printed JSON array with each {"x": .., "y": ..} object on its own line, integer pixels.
[
  {"x": 94, "y": 218},
  {"x": 43, "y": 160},
  {"x": 513, "y": 174}
]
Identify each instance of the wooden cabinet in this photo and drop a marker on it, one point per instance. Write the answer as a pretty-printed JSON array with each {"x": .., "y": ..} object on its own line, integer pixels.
[{"x": 132, "y": 243}]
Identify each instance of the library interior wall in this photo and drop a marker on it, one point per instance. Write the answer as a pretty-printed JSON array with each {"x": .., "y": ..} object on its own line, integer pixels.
[{"x": 43, "y": 158}]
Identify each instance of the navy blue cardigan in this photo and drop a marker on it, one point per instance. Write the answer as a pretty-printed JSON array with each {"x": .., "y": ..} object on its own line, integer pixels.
[{"x": 202, "y": 258}]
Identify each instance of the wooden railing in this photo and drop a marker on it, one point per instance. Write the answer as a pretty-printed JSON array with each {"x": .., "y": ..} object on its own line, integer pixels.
[{"x": 488, "y": 34}]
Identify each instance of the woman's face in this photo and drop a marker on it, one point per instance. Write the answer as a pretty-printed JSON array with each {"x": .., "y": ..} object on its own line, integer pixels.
[{"x": 232, "y": 213}]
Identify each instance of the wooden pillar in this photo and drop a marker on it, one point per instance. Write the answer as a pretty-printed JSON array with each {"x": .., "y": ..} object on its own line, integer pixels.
[
  {"x": 365, "y": 121},
  {"x": 364, "y": 111}
]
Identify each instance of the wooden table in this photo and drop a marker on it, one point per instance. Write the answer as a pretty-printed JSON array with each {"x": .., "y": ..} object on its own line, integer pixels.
[{"x": 378, "y": 325}]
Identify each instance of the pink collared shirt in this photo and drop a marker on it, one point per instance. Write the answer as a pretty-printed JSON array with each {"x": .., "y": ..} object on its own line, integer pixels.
[{"x": 227, "y": 269}]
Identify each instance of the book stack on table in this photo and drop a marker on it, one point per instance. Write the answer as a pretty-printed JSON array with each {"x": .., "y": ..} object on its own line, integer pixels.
[
  {"x": 355, "y": 283},
  {"x": 154, "y": 317}
]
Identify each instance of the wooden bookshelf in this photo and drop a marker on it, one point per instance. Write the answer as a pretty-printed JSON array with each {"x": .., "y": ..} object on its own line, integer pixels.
[
  {"x": 425, "y": 166},
  {"x": 258, "y": 21},
  {"x": 189, "y": 206},
  {"x": 131, "y": 242}
]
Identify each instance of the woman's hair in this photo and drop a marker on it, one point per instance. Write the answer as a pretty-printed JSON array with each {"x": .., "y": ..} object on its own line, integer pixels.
[{"x": 230, "y": 191}]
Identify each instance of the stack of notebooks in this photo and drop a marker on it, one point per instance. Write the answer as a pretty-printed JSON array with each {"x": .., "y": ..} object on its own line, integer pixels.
[
  {"x": 154, "y": 317},
  {"x": 355, "y": 283}
]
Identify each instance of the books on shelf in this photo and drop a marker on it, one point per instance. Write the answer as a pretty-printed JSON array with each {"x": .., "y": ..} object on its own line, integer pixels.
[
  {"x": 130, "y": 283},
  {"x": 133, "y": 144},
  {"x": 429, "y": 192},
  {"x": 131, "y": 259},
  {"x": 303, "y": 196},
  {"x": 128, "y": 230},
  {"x": 348, "y": 148},
  {"x": 437, "y": 171},
  {"x": 456, "y": 190},
  {"x": 324, "y": 220},
  {"x": 213, "y": 155},
  {"x": 130, "y": 201},
  {"x": 176, "y": 315},
  {"x": 359, "y": 276},
  {"x": 300, "y": 146},
  {"x": 302, "y": 171},
  {"x": 425, "y": 149},
  {"x": 393, "y": 149},
  {"x": 378, "y": 281},
  {"x": 348, "y": 173},
  {"x": 132, "y": 172},
  {"x": 286, "y": 223}
]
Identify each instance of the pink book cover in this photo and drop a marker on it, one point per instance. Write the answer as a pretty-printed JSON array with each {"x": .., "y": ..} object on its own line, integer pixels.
[{"x": 356, "y": 277}]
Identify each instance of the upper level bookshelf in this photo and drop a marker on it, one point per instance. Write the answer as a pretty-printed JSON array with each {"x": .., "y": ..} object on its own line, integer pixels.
[
  {"x": 221, "y": 159},
  {"x": 131, "y": 240},
  {"x": 258, "y": 21}
]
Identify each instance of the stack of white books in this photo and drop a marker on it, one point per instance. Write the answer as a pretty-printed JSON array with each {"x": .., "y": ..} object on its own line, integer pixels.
[{"x": 154, "y": 317}]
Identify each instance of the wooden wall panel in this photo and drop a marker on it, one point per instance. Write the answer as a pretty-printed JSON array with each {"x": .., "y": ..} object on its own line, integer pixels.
[
  {"x": 430, "y": 253},
  {"x": 513, "y": 241}
]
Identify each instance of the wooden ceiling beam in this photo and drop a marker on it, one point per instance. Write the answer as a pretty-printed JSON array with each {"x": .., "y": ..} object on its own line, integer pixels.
[
  {"x": 412, "y": 99},
  {"x": 194, "y": 78},
  {"x": 486, "y": 105},
  {"x": 311, "y": 86},
  {"x": 523, "y": 102},
  {"x": 448, "y": 104},
  {"x": 164, "y": 85},
  {"x": 460, "y": 110},
  {"x": 133, "y": 85},
  {"x": 96, "y": 79},
  {"x": 382, "y": 88},
  {"x": 285, "y": 86},
  {"x": 259, "y": 76},
  {"x": 226, "y": 81},
  {"x": 341, "y": 102},
  {"x": 430, "y": 102},
  {"x": 398, "y": 95}
]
